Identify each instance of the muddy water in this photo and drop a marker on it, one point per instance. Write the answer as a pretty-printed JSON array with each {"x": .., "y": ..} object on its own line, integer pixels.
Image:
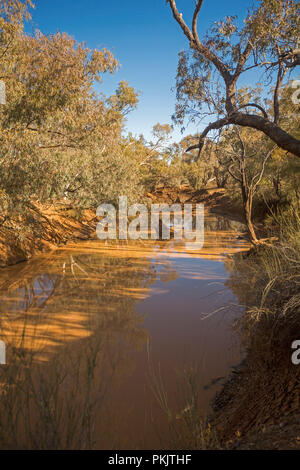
[{"x": 110, "y": 335}]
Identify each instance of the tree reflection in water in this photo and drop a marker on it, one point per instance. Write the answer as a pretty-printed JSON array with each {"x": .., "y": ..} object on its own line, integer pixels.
[{"x": 72, "y": 329}]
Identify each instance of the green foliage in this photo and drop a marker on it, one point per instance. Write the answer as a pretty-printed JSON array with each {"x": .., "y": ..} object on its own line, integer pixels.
[
  {"x": 125, "y": 99},
  {"x": 58, "y": 139},
  {"x": 267, "y": 41}
]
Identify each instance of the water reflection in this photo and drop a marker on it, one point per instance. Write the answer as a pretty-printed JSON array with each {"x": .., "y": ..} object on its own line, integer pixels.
[
  {"x": 82, "y": 324},
  {"x": 72, "y": 295}
]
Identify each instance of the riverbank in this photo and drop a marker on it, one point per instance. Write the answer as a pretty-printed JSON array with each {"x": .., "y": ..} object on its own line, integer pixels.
[
  {"x": 136, "y": 302},
  {"x": 259, "y": 405},
  {"x": 216, "y": 200},
  {"x": 46, "y": 227}
]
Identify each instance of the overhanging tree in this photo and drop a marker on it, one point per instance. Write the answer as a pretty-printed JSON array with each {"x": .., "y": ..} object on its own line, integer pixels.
[{"x": 268, "y": 41}]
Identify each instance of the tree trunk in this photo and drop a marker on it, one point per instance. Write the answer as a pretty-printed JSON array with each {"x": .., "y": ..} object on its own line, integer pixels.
[
  {"x": 247, "y": 204},
  {"x": 272, "y": 130},
  {"x": 277, "y": 184},
  {"x": 220, "y": 179}
]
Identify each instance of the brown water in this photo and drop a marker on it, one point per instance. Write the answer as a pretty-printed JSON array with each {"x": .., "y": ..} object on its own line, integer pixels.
[{"x": 107, "y": 332}]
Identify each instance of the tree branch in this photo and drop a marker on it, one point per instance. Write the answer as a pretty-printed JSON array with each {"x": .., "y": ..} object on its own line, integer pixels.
[
  {"x": 195, "y": 42},
  {"x": 178, "y": 17},
  {"x": 280, "y": 76},
  {"x": 243, "y": 60},
  {"x": 254, "y": 105},
  {"x": 271, "y": 129},
  {"x": 236, "y": 178},
  {"x": 195, "y": 20},
  {"x": 261, "y": 174},
  {"x": 214, "y": 125},
  {"x": 263, "y": 124}
]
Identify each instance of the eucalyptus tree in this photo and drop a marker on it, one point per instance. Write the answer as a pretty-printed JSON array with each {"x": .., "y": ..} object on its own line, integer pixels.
[
  {"x": 267, "y": 42},
  {"x": 58, "y": 137},
  {"x": 247, "y": 154}
]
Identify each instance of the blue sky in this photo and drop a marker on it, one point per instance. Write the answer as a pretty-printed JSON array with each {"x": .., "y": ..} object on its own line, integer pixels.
[{"x": 143, "y": 36}]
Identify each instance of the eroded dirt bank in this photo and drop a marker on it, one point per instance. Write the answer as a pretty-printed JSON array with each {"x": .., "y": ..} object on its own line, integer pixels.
[
  {"x": 214, "y": 199},
  {"x": 259, "y": 405},
  {"x": 48, "y": 226}
]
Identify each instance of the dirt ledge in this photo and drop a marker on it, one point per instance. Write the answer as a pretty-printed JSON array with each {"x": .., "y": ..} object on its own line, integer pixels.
[
  {"x": 259, "y": 408},
  {"x": 49, "y": 226}
]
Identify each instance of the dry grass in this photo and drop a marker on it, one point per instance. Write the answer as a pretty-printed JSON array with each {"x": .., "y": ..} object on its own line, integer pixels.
[
  {"x": 273, "y": 280},
  {"x": 187, "y": 427},
  {"x": 54, "y": 405},
  {"x": 265, "y": 392}
]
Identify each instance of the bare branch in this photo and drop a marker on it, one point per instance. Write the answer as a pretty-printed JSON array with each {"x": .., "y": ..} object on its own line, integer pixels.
[
  {"x": 254, "y": 105},
  {"x": 233, "y": 175},
  {"x": 280, "y": 76},
  {"x": 242, "y": 144},
  {"x": 215, "y": 125},
  {"x": 195, "y": 42},
  {"x": 282, "y": 138},
  {"x": 272, "y": 130},
  {"x": 195, "y": 20},
  {"x": 243, "y": 59},
  {"x": 261, "y": 123},
  {"x": 180, "y": 20},
  {"x": 263, "y": 168}
]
